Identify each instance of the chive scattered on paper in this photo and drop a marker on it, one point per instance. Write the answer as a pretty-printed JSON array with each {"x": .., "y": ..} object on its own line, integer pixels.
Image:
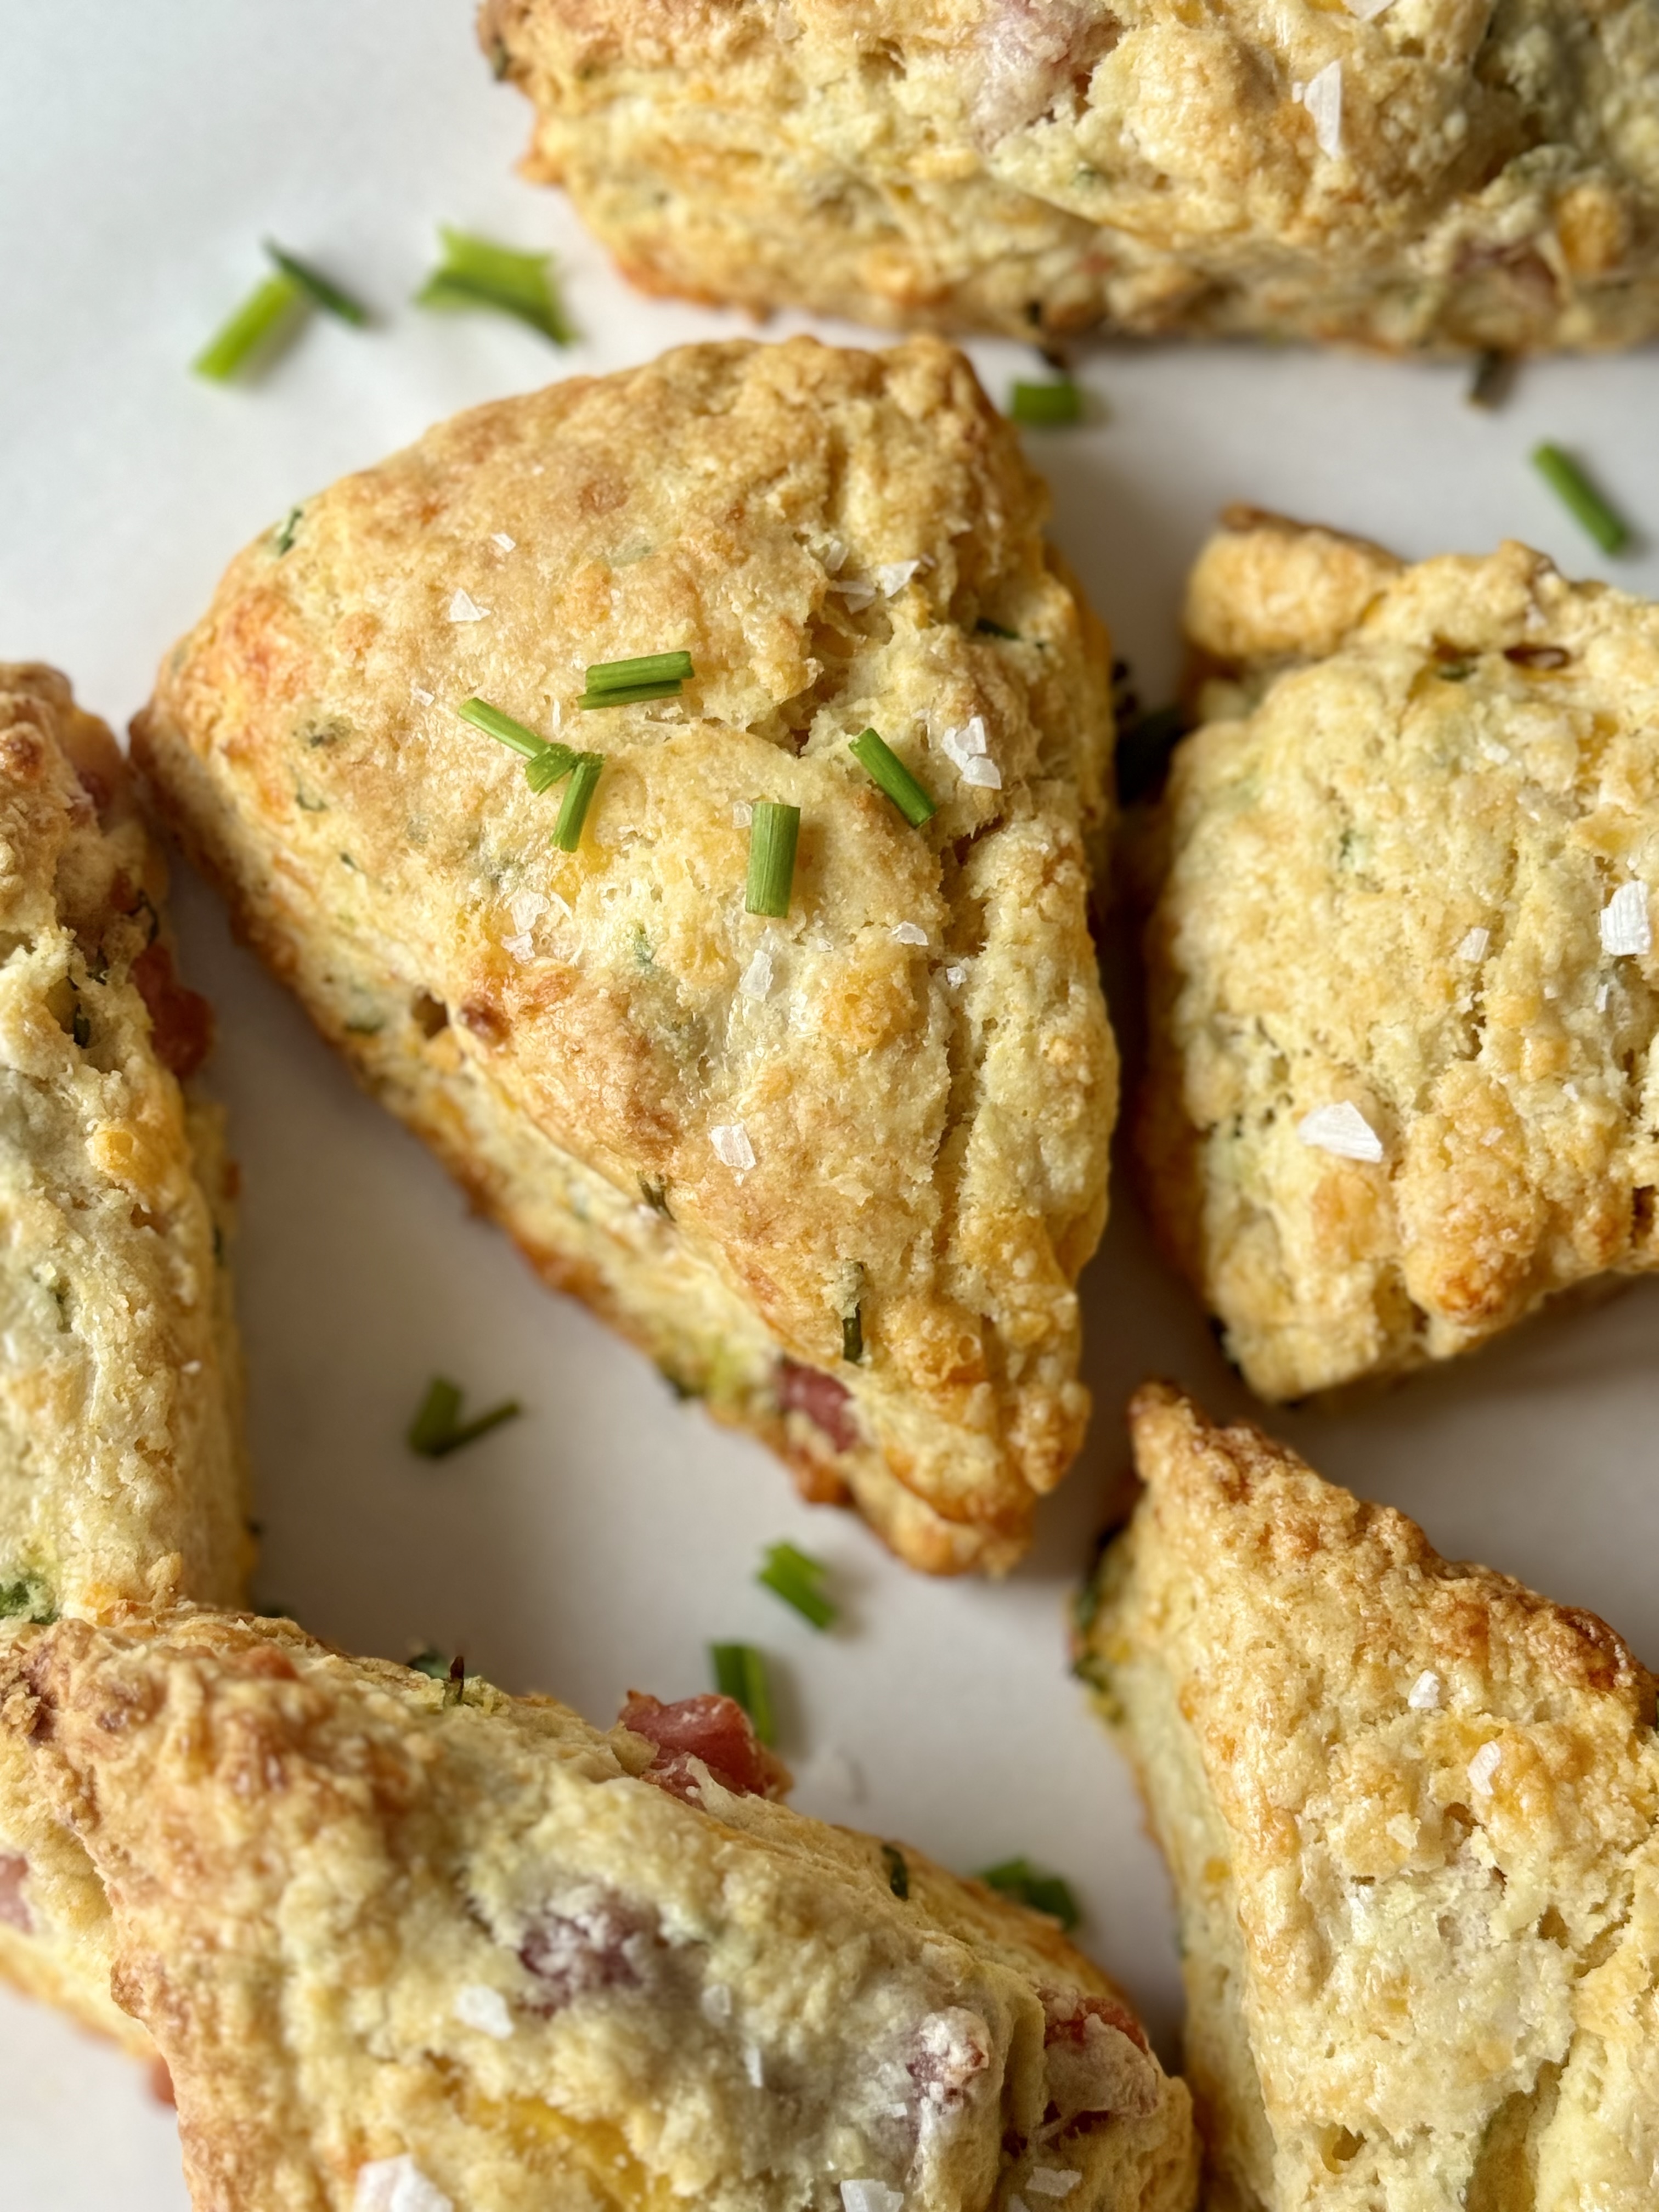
[
  {"x": 898, "y": 1873},
  {"x": 1586, "y": 505},
  {"x": 578, "y": 797},
  {"x": 455, "y": 1685},
  {"x": 289, "y": 529},
  {"x": 252, "y": 329},
  {"x": 774, "y": 829},
  {"x": 477, "y": 273},
  {"x": 628, "y": 682},
  {"x": 437, "y": 1429},
  {"x": 852, "y": 1335},
  {"x": 1493, "y": 379},
  {"x": 320, "y": 290},
  {"x": 1046, "y": 406},
  {"x": 885, "y": 768},
  {"x": 798, "y": 1578},
  {"x": 989, "y": 629},
  {"x": 740, "y": 1672},
  {"x": 1043, "y": 1892}
]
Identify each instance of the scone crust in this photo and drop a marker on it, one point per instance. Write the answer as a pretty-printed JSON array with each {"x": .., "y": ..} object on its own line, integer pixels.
[
  {"x": 714, "y": 2001},
  {"x": 1388, "y": 862},
  {"x": 122, "y": 1477},
  {"x": 1415, "y": 1850},
  {"x": 832, "y": 536},
  {"x": 1491, "y": 181}
]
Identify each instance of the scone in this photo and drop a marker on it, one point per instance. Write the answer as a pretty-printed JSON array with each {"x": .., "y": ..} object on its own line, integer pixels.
[
  {"x": 836, "y": 1170},
  {"x": 408, "y": 1946},
  {"x": 121, "y": 1467},
  {"x": 1427, "y": 175},
  {"x": 1402, "y": 989},
  {"x": 1409, "y": 1807}
]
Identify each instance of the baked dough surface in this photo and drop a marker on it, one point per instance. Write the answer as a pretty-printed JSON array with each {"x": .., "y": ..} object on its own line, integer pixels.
[
  {"x": 1398, "y": 867},
  {"x": 1410, "y": 1809},
  {"x": 1441, "y": 175},
  {"x": 121, "y": 1460},
  {"x": 479, "y": 1952},
  {"x": 830, "y": 535}
]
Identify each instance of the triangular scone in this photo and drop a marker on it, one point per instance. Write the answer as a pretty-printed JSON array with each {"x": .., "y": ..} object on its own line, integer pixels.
[
  {"x": 1410, "y": 1811},
  {"x": 1404, "y": 998},
  {"x": 409, "y": 1946},
  {"x": 877, "y": 1126},
  {"x": 121, "y": 1470}
]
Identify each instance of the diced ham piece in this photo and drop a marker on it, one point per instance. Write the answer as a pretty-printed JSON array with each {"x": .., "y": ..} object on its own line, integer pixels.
[
  {"x": 825, "y": 1403},
  {"x": 181, "y": 1020},
  {"x": 597, "y": 1944},
  {"x": 951, "y": 2048},
  {"x": 13, "y": 1906},
  {"x": 711, "y": 1729},
  {"x": 1095, "y": 2056}
]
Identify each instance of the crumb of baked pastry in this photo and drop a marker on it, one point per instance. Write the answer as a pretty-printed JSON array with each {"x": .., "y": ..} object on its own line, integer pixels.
[
  {"x": 1402, "y": 986},
  {"x": 747, "y": 1141},
  {"x": 403, "y": 1948},
  {"x": 1429, "y": 175},
  {"x": 1409, "y": 1809},
  {"x": 121, "y": 1463}
]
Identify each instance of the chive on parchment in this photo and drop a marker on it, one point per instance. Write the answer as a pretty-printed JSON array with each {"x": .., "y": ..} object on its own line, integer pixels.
[
  {"x": 1583, "y": 500},
  {"x": 475, "y": 272},
  {"x": 740, "y": 1672}
]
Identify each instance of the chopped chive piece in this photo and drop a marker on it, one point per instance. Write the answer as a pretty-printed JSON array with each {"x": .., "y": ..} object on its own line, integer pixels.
[
  {"x": 740, "y": 1672},
  {"x": 27, "y": 1599},
  {"x": 773, "y": 828},
  {"x": 316, "y": 287},
  {"x": 289, "y": 529},
  {"x": 495, "y": 724},
  {"x": 1043, "y": 1892},
  {"x": 254, "y": 323},
  {"x": 431, "y": 1663},
  {"x": 898, "y": 1873},
  {"x": 1581, "y": 498},
  {"x": 852, "y": 1335},
  {"x": 455, "y": 1682},
  {"x": 1455, "y": 671},
  {"x": 655, "y": 1195},
  {"x": 1046, "y": 406},
  {"x": 795, "y": 1576},
  {"x": 551, "y": 766},
  {"x": 643, "y": 668},
  {"x": 437, "y": 1429},
  {"x": 989, "y": 629},
  {"x": 474, "y": 273},
  {"x": 631, "y": 695},
  {"x": 578, "y": 795},
  {"x": 884, "y": 767},
  {"x": 1493, "y": 379}
]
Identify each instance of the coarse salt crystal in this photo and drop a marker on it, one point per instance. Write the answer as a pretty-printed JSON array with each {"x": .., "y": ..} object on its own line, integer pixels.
[
  {"x": 956, "y": 976},
  {"x": 892, "y": 576},
  {"x": 1052, "y": 2180},
  {"x": 754, "y": 2066},
  {"x": 499, "y": 538},
  {"x": 1483, "y": 1767},
  {"x": 425, "y": 697},
  {"x": 463, "y": 607},
  {"x": 1474, "y": 945},
  {"x": 1368, "y": 11},
  {"x": 717, "y": 2002},
  {"x": 1625, "y": 924},
  {"x": 526, "y": 909},
  {"x": 870, "y": 2197},
  {"x": 909, "y": 932},
  {"x": 743, "y": 813},
  {"x": 984, "y": 773},
  {"x": 397, "y": 2184},
  {"x": 756, "y": 978},
  {"x": 1603, "y": 993},
  {"x": 731, "y": 1143},
  {"x": 476, "y": 2005},
  {"x": 1341, "y": 1129},
  {"x": 522, "y": 947},
  {"x": 1321, "y": 96},
  {"x": 859, "y": 592},
  {"x": 1424, "y": 1696},
  {"x": 968, "y": 748}
]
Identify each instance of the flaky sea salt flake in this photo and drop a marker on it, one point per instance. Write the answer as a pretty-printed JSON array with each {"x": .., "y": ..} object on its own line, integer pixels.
[
  {"x": 982, "y": 773},
  {"x": 870, "y": 2197},
  {"x": 717, "y": 2002},
  {"x": 1368, "y": 11},
  {"x": 476, "y": 2005},
  {"x": 743, "y": 813},
  {"x": 463, "y": 607},
  {"x": 756, "y": 978},
  {"x": 1424, "y": 1696},
  {"x": 420, "y": 696},
  {"x": 1321, "y": 96},
  {"x": 754, "y": 2066},
  {"x": 499, "y": 538},
  {"x": 1473, "y": 946},
  {"x": 397, "y": 2184},
  {"x": 1052, "y": 2180},
  {"x": 1626, "y": 928},
  {"x": 1483, "y": 1767},
  {"x": 732, "y": 1144},
  {"x": 1341, "y": 1129},
  {"x": 892, "y": 576},
  {"x": 909, "y": 932}
]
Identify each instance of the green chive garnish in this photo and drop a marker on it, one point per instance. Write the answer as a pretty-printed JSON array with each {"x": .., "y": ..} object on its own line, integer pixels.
[
  {"x": 989, "y": 629},
  {"x": 320, "y": 290},
  {"x": 1043, "y": 1892},
  {"x": 474, "y": 273},
  {"x": 1581, "y": 498},
  {"x": 852, "y": 1335},
  {"x": 551, "y": 766},
  {"x": 437, "y": 1429},
  {"x": 1046, "y": 406},
  {"x": 578, "y": 795},
  {"x": 772, "y": 830},
  {"x": 289, "y": 529},
  {"x": 884, "y": 767},
  {"x": 495, "y": 724},
  {"x": 254, "y": 324},
  {"x": 431, "y": 1663},
  {"x": 740, "y": 1672},
  {"x": 898, "y": 1874},
  {"x": 455, "y": 1682},
  {"x": 628, "y": 683},
  {"x": 1493, "y": 379},
  {"x": 796, "y": 1576}
]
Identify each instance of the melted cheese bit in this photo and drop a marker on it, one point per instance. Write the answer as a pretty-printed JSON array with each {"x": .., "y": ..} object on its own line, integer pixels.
[
  {"x": 1342, "y": 1130},
  {"x": 1626, "y": 928}
]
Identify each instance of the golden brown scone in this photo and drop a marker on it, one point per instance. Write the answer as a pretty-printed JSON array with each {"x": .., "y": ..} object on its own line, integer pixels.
[
  {"x": 1439, "y": 176},
  {"x": 121, "y": 1464},
  {"x": 1409, "y": 1808},
  {"x": 404, "y": 1952},
  {"x": 1407, "y": 892},
  {"x": 917, "y": 1059}
]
